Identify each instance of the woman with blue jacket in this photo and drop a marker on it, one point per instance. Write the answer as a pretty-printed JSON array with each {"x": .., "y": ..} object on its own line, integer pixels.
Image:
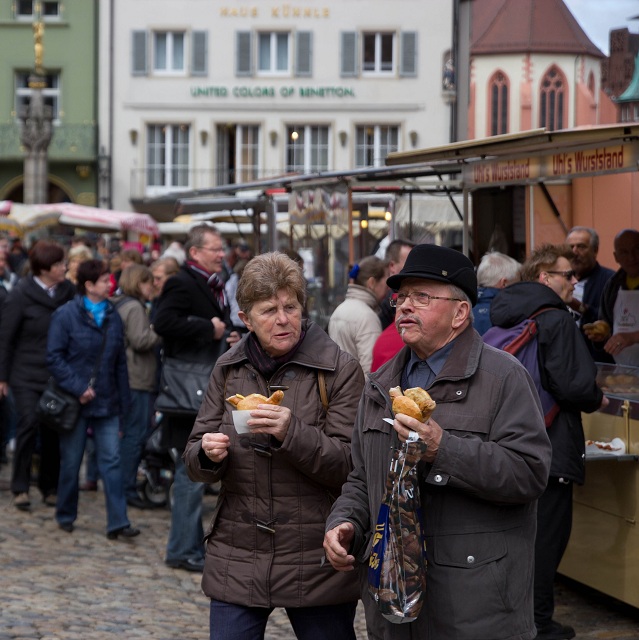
[{"x": 82, "y": 331}]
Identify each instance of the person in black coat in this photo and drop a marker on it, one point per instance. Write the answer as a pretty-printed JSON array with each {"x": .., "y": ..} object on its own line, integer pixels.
[
  {"x": 192, "y": 317},
  {"x": 569, "y": 374},
  {"x": 26, "y": 315},
  {"x": 591, "y": 280}
]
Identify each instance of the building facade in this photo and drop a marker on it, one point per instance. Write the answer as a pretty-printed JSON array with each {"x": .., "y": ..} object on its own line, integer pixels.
[
  {"x": 69, "y": 55},
  {"x": 533, "y": 67},
  {"x": 201, "y": 94}
]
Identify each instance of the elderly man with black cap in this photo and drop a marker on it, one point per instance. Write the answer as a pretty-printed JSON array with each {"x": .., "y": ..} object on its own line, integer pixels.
[{"x": 486, "y": 462}]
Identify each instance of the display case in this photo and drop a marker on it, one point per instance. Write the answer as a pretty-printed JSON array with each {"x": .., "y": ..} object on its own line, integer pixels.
[{"x": 603, "y": 551}]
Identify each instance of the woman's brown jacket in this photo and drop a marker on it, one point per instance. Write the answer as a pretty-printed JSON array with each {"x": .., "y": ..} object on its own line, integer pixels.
[{"x": 264, "y": 544}]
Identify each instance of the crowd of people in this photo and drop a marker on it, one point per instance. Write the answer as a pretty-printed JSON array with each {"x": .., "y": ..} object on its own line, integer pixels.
[{"x": 300, "y": 492}]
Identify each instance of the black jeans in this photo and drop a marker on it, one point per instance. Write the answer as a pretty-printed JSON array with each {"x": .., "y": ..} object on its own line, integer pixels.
[
  {"x": 554, "y": 523},
  {"x": 29, "y": 435}
]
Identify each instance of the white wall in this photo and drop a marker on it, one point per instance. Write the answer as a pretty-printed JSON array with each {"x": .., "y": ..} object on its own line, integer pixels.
[{"x": 413, "y": 104}]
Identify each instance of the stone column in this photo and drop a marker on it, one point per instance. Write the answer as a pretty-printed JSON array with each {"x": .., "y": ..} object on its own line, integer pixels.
[{"x": 35, "y": 136}]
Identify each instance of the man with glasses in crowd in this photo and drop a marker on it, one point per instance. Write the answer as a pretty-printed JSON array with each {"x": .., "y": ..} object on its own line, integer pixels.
[
  {"x": 485, "y": 462},
  {"x": 192, "y": 316},
  {"x": 569, "y": 374}
]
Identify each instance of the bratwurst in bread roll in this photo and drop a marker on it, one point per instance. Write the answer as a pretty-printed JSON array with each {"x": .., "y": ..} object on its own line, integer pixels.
[
  {"x": 414, "y": 402},
  {"x": 250, "y": 402}
]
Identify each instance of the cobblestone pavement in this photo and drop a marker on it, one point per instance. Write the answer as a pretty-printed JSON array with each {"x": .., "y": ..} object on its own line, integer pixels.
[{"x": 59, "y": 586}]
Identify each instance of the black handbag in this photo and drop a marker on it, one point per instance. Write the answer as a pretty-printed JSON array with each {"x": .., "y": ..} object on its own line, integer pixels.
[
  {"x": 60, "y": 410},
  {"x": 182, "y": 386}
]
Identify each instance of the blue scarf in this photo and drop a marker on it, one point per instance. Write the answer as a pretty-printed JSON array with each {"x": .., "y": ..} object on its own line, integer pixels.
[{"x": 96, "y": 309}]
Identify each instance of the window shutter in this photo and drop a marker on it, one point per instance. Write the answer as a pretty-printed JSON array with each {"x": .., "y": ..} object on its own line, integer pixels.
[
  {"x": 408, "y": 53},
  {"x": 243, "y": 54},
  {"x": 303, "y": 53},
  {"x": 199, "y": 53},
  {"x": 138, "y": 61},
  {"x": 349, "y": 54}
]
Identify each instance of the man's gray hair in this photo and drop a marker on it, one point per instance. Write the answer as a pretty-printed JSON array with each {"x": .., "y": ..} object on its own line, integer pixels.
[
  {"x": 197, "y": 237},
  {"x": 494, "y": 266},
  {"x": 594, "y": 236}
]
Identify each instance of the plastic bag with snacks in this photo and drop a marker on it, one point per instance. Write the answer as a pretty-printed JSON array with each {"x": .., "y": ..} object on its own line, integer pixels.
[{"x": 397, "y": 565}]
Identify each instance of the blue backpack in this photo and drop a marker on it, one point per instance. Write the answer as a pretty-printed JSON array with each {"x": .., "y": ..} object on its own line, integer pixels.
[{"x": 520, "y": 341}]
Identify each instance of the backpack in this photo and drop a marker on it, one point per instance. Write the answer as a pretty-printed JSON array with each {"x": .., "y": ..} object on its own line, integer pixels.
[{"x": 520, "y": 341}]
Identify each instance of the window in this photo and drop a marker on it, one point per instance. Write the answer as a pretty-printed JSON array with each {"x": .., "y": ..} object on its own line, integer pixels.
[
  {"x": 273, "y": 53},
  {"x": 168, "y": 52},
  {"x": 498, "y": 97},
  {"x": 26, "y": 9},
  {"x": 374, "y": 54},
  {"x": 167, "y": 157},
  {"x": 307, "y": 149},
  {"x": 238, "y": 149},
  {"x": 51, "y": 93},
  {"x": 377, "y": 52},
  {"x": 374, "y": 143},
  {"x": 552, "y": 100}
]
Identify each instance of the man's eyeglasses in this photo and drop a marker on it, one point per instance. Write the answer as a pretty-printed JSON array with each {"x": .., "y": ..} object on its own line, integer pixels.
[
  {"x": 219, "y": 249},
  {"x": 569, "y": 275},
  {"x": 418, "y": 298}
]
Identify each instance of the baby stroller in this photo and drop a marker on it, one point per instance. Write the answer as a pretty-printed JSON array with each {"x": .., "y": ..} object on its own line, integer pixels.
[{"x": 156, "y": 470}]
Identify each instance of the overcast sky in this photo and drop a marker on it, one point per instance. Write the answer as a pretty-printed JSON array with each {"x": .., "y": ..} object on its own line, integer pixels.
[{"x": 598, "y": 17}]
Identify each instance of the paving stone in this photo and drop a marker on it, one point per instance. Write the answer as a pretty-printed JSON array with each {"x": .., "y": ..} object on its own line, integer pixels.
[{"x": 60, "y": 586}]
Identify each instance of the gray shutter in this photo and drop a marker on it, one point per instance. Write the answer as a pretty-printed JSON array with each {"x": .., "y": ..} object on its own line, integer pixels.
[
  {"x": 243, "y": 54},
  {"x": 349, "y": 54},
  {"x": 408, "y": 53},
  {"x": 304, "y": 53},
  {"x": 199, "y": 53},
  {"x": 138, "y": 58}
]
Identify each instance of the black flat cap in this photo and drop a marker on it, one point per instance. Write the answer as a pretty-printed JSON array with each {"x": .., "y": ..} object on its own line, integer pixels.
[{"x": 432, "y": 262}]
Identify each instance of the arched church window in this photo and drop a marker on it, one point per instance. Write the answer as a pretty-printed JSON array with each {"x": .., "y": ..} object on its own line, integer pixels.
[
  {"x": 498, "y": 103},
  {"x": 553, "y": 100}
]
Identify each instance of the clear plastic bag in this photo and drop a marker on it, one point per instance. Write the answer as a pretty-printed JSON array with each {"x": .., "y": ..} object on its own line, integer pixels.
[{"x": 397, "y": 565}]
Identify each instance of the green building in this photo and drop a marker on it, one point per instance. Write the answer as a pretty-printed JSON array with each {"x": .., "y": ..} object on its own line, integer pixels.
[{"x": 69, "y": 60}]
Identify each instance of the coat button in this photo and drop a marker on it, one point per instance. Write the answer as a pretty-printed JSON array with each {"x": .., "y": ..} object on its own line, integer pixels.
[
  {"x": 470, "y": 559},
  {"x": 438, "y": 478},
  {"x": 459, "y": 392}
]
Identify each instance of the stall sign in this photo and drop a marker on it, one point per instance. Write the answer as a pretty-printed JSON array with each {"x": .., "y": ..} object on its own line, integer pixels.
[{"x": 566, "y": 164}]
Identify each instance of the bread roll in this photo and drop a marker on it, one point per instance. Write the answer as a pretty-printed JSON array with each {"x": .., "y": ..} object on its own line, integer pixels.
[
  {"x": 250, "y": 402},
  {"x": 425, "y": 403},
  {"x": 598, "y": 330},
  {"x": 415, "y": 402}
]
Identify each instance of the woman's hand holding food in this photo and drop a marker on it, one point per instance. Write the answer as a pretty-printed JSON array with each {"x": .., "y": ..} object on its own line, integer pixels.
[
  {"x": 272, "y": 419},
  {"x": 216, "y": 446}
]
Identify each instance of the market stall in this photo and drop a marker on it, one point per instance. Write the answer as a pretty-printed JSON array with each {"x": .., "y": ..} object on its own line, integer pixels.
[
  {"x": 22, "y": 219},
  {"x": 603, "y": 552}
]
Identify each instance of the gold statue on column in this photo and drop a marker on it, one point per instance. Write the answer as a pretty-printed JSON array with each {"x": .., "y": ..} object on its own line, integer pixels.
[{"x": 38, "y": 33}]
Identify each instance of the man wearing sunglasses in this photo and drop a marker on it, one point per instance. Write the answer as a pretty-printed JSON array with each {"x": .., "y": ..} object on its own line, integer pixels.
[
  {"x": 568, "y": 373},
  {"x": 484, "y": 462}
]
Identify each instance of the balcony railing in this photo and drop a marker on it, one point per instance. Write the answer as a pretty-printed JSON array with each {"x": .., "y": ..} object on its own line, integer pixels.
[
  {"x": 69, "y": 142},
  {"x": 191, "y": 179}
]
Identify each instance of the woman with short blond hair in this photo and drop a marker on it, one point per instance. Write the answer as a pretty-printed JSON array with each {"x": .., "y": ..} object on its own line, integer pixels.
[{"x": 136, "y": 285}]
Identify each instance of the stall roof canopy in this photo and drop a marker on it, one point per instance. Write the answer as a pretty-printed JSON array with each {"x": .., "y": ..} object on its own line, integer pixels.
[
  {"x": 254, "y": 195},
  {"x": 536, "y": 141},
  {"x": 535, "y": 156}
]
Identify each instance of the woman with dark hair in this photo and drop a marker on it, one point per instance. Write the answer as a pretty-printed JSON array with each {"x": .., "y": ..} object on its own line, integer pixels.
[
  {"x": 85, "y": 331},
  {"x": 26, "y": 315}
]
